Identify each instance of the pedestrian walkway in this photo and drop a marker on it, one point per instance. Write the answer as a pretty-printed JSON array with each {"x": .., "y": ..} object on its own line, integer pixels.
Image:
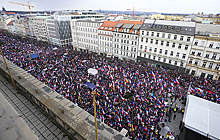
[
  {"x": 12, "y": 126},
  {"x": 173, "y": 124},
  {"x": 39, "y": 124}
]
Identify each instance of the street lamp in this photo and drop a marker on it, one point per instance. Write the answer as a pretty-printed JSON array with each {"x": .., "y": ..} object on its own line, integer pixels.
[
  {"x": 1, "y": 43},
  {"x": 93, "y": 87}
]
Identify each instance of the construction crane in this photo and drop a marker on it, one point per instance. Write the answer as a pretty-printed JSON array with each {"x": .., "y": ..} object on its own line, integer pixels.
[
  {"x": 135, "y": 9},
  {"x": 28, "y": 5}
]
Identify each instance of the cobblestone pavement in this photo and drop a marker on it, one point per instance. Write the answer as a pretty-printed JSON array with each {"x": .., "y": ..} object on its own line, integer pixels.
[{"x": 42, "y": 126}]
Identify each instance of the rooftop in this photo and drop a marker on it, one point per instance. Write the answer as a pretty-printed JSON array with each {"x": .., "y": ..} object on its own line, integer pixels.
[
  {"x": 121, "y": 25},
  {"x": 202, "y": 116},
  {"x": 169, "y": 22},
  {"x": 207, "y": 28},
  {"x": 42, "y": 17}
]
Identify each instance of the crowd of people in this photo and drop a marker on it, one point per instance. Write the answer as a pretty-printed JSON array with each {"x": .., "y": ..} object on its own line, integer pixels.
[{"x": 65, "y": 71}]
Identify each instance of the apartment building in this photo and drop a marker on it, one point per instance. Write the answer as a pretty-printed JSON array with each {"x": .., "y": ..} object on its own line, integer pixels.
[
  {"x": 40, "y": 27},
  {"x": 85, "y": 34},
  {"x": 19, "y": 26},
  {"x": 63, "y": 22},
  {"x": 105, "y": 35},
  {"x": 53, "y": 32},
  {"x": 204, "y": 58},
  {"x": 167, "y": 17},
  {"x": 3, "y": 25},
  {"x": 126, "y": 39},
  {"x": 166, "y": 43}
]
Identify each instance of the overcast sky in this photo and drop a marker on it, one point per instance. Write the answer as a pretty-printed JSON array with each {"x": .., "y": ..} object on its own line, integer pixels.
[{"x": 163, "y": 6}]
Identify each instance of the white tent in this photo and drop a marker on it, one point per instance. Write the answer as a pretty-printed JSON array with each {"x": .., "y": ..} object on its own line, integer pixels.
[
  {"x": 202, "y": 116},
  {"x": 92, "y": 71}
]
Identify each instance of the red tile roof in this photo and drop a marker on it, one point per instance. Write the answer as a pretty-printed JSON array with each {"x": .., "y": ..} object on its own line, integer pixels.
[
  {"x": 109, "y": 24},
  {"x": 112, "y": 24},
  {"x": 10, "y": 13},
  {"x": 11, "y": 22}
]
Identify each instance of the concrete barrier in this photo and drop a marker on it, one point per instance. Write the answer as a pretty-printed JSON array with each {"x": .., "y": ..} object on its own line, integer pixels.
[{"x": 73, "y": 120}]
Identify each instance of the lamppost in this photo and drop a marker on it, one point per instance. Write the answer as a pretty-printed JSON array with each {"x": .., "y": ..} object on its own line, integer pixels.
[
  {"x": 93, "y": 87},
  {"x": 1, "y": 43}
]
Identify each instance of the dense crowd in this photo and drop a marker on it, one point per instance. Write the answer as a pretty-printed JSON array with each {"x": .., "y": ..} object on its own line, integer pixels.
[{"x": 65, "y": 71}]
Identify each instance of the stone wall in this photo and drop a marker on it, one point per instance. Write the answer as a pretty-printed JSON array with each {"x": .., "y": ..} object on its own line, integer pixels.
[{"x": 74, "y": 121}]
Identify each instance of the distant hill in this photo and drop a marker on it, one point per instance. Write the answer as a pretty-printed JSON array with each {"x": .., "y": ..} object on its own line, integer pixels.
[
  {"x": 137, "y": 12},
  {"x": 125, "y": 12},
  {"x": 33, "y": 12}
]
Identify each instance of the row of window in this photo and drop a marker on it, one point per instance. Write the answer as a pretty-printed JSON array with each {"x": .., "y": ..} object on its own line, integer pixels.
[
  {"x": 104, "y": 32},
  {"x": 105, "y": 38},
  {"x": 124, "y": 53},
  {"x": 167, "y": 43},
  {"x": 169, "y": 36},
  {"x": 88, "y": 24},
  {"x": 86, "y": 29},
  {"x": 211, "y": 44},
  {"x": 104, "y": 43},
  {"x": 125, "y": 48},
  {"x": 204, "y": 64},
  {"x": 207, "y": 55},
  {"x": 126, "y": 36},
  {"x": 165, "y": 60},
  {"x": 87, "y": 40},
  {"x": 86, "y": 35},
  {"x": 126, "y": 41},
  {"x": 165, "y": 52}
]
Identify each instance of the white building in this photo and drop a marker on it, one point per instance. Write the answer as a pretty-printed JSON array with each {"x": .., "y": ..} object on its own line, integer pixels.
[
  {"x": 105, "y": 35},
  {"x": 85, "y": 34},
  {"x": 19, "y": 26},
  {"x": 40, "y": 27},
  {"x": 166, "y": 43},
  {"x": 53, "y": 33},
  {"x": 204, "y": 58},
  {"x": 126, "y": 38},
  {"x": 62, "y": 35},
  {"x": 3, "y": 25}
]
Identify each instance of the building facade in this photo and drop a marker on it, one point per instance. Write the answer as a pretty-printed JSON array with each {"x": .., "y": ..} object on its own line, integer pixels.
[
  {"x": 105, "y": 35},
  {"x": 204, "y": 58},
  {"x": 40, "y": 27},
  {"x": 85, "y": 34},
  {"x": 53, "y": 31},
  {"x": 166, "y": 43},
  {"x": 126, "y": 39},
  {"x": 63, "y": 22}
]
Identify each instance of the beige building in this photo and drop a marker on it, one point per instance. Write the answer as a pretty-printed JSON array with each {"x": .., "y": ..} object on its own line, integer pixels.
[
  {"x": 40, "y": 27},
  {"x": 167, "y": 17},
  {"x": 204, "y": 58}
]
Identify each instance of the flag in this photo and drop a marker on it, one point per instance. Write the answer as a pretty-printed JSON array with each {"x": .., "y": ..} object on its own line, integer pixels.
[
  {"x": 110, "y": 116},
  {"x": 126, "y": 113},
  {"x": 138, "y": 116},
  {"x": 152, "y": 94},
  {"x": 118, "y": 118},
  {"x": 129, "y": 108},
  {"x": 103, "y": 112},
  {"x": 132, "y": 127},
  {"x": 176, "y": 81},
  {"x": 152, "y": 73}
]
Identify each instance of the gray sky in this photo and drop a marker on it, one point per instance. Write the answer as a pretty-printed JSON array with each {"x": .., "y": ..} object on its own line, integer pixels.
[{"x": 164, "y": 6}]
